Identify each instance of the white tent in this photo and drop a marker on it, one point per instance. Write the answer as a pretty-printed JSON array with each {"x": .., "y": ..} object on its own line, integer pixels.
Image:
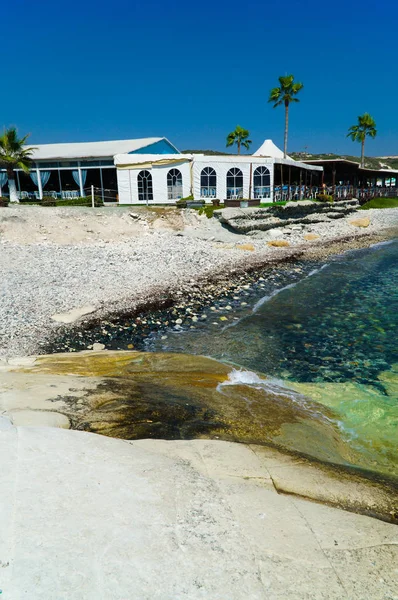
[
  {"x": 269, "y": 149},
  {"x": 94, "y": 149}
]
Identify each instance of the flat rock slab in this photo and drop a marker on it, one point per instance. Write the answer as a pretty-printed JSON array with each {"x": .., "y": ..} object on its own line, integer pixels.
[
  {"x": 248, "y": 247},
  {"x": 134, "y": 395},
  {"x": 365, "y": 222},
  {"x": 278, "y": 243},
  {"x": 74, "y": 314},
  {"x": 85, "y": 516}
]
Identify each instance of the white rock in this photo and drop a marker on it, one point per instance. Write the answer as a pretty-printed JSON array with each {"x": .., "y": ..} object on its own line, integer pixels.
[
  {"x": 112, "y": 510},
  {"x": 73, "y": 315},
  {"x": 22, "y": 361},
  {"x": 97, "y": 347},
  {"x": 39, "y": 418}
]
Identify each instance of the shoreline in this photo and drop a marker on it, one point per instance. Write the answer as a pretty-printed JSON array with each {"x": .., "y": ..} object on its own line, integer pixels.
[
  {"x": 172, "y": 303},
  {"x": 224, "y": 279},
  {"x": 68, "y": 270}
]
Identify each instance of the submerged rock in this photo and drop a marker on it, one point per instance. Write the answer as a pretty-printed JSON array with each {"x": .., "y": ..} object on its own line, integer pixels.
[{"x": 134, "y": 395}]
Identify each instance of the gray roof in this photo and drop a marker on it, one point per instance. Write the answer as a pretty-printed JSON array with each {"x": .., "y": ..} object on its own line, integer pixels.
[{"x": 90, "y": 149}]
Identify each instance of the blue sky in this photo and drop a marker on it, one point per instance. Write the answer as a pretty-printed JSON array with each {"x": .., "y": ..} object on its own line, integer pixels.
[{"x": 192, "y": 71}]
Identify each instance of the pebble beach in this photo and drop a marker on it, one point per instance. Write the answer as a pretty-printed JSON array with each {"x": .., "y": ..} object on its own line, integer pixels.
[{"x": 106, "y": 261}]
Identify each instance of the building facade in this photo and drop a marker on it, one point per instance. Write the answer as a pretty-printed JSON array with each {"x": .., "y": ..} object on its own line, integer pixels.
[{"x": 153, "y": 171}]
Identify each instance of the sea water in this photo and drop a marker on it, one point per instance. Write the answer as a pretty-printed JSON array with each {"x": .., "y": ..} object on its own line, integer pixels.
[{"x": 331, "y": 337}]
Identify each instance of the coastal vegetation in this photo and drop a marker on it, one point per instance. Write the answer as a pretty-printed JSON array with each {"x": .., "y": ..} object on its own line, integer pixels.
[
  {"x": 285, "y": 94},
  {"x": 366, "y": 127},
  {"x": 240, "y": 137},
  {"x": 51, "y": 201},
  {"x": 14, "y": 155},
  {"x": 380, "y": 203}
]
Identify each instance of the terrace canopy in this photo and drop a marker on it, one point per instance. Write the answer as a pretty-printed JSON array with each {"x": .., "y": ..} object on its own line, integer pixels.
[{"x": 346, "y": 176}]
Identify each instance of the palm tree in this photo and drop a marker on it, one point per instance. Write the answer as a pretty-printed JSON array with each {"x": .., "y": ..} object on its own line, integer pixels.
[
  {"x": 366, "y": 127},
  {"x": 239, "y": 137},
  {"x": 285, "y": 94},
  {"x": 13, "y": 156}
]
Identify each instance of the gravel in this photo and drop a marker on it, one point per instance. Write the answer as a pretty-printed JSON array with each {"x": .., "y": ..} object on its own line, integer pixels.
[{"x": 42, "y": 278}]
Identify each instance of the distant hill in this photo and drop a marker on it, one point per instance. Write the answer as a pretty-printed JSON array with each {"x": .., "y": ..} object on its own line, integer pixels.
[{"x": 371, "y": 162}]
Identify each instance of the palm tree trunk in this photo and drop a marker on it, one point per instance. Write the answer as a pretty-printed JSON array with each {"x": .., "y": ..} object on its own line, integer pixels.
[
  {"x": 363, "y": 153},
  {"x": 12, "y": 187},
  {"x": 286, "y": 129},
  {"x": 238, "y": 146}
]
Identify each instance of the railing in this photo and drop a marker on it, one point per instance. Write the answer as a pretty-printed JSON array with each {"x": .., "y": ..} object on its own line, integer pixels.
[
  {"x": 208, "y": 192},
  {"x": 294, "y": 192},
  {"x": 346, "y": 192},
  {"x": 91, "y": 195},
  {"x": 234, "y": 193},
  {"x": 339, "y": 192},
  {"x": 262, "y": 193}
]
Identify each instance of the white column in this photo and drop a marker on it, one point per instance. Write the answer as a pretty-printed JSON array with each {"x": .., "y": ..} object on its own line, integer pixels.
[
  {"x": 39, "y": 185},
  {"x": 271, "y": 180},
  {"x": 80, "y": 182}
]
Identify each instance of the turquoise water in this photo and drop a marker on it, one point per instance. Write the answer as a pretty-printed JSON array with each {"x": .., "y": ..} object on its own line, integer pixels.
[{"x": 331, "y": 336}]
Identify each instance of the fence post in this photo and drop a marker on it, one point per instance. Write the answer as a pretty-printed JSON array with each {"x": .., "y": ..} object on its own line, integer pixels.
[{"x": 92, "y": 196}]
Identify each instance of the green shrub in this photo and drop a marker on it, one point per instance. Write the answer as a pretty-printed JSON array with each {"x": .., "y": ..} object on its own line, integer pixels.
[
  {"x": 48, "y": 201},
  {"x": 82, "y": 201},
  {"x": 209, "y": 209},
  {"x": 4, "y": 201},
  {"x": 265, "y": 204},
  {"x": 324, "y": 198},
  {"x": 182, "y": 202}
]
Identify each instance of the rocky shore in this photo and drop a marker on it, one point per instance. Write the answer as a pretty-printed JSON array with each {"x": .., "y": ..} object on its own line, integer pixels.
[
  {"x": 52, "y": 275},
  {"x": 193, "y": 518}
]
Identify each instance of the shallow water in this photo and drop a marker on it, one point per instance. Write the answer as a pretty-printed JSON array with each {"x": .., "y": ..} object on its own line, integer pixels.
[{"x": 331, "y": 336}]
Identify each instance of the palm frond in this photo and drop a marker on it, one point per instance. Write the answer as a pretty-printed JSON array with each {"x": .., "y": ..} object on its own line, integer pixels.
[
  {"x": 13, "y": 153},
  {"x": 366, "y": 126},
  {"x": 238, "y": 136},
  {"x": 284, "y": 94}
]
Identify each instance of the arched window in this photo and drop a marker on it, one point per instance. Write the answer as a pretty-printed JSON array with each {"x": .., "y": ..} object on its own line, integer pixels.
[
  {"x": 261, "y": 183},
  {"x": 174, "y": 184},
  {"x": 234, "y": 183},
  {"x": 208, "y": 183},
  {"x": 145, "y": 189}
]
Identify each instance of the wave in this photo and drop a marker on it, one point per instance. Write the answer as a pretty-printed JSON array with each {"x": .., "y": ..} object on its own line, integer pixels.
[
  {"x": 385, "y": 243},
  {"x": 250, "y": 378},
  {"x": 286, "y": 287}
]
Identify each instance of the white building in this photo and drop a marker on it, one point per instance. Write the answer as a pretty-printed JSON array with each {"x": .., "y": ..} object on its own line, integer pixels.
[
  {"x": 163, "y": 179},
  {"x": 153, "y": 171}
]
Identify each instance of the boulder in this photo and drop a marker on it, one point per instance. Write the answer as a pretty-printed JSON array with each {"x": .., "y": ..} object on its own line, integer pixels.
[
  {"x": 311, "y": 236},
  {"x": 97, "y": 347},
  {"x": 291, "y": 214}
]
